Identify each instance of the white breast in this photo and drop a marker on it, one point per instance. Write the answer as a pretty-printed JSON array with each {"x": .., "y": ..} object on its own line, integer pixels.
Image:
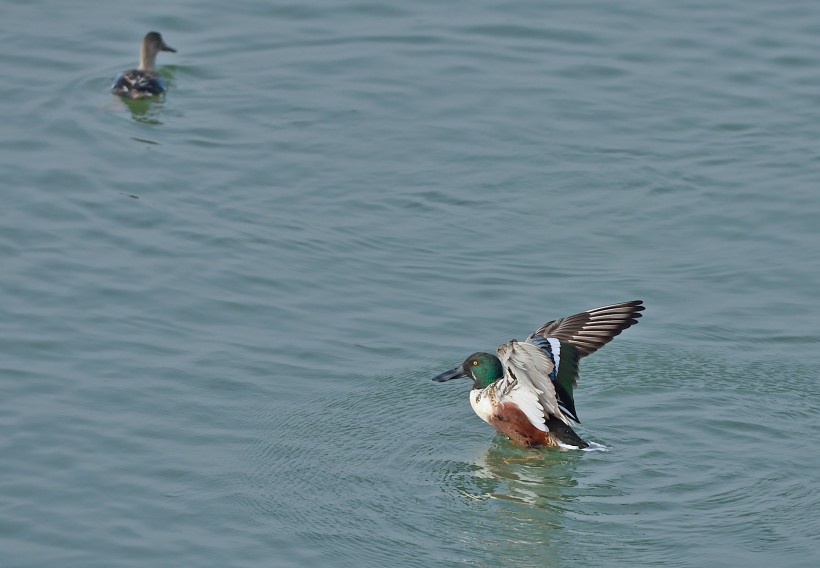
[{"x": 482, "y": 405}]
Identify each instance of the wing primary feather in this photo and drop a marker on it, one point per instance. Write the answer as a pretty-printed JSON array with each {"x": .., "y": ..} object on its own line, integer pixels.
[{"x": 591, "y": 330}]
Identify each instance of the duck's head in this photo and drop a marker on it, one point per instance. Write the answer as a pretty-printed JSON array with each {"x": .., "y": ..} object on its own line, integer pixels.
[
  {"x": 151, "y": 45},
  {"x": 483, "y": 368},
  {"x": 155, "y": 43}
]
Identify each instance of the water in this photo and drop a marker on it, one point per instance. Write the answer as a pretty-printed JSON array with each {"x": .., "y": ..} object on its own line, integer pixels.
[{"x": 220, "y": 313}]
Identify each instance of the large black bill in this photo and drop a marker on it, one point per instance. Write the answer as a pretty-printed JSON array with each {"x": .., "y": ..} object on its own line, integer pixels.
[{"x": 451, "y": 374}]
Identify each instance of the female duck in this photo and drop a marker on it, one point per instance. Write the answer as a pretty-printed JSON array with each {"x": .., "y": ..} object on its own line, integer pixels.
[{"x": 143, "y": 82}]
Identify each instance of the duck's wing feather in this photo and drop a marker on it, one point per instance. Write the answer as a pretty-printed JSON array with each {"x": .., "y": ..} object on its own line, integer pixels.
[
  {"x": 527, "y": 382},
  {"x": 121, "y": 83},
  {"x": 564, "y": 375},
  {"x": 591, "y": 330},
  {"x": 138, "y": 84},
  {"x": 565, "y": 341}
]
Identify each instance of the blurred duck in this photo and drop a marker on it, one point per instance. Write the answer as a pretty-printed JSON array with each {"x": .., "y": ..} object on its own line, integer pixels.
[{"x": 143, "y": 82}]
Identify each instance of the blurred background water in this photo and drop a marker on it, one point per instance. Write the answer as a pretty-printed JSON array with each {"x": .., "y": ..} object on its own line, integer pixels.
[{"x": 220, "y": 311}]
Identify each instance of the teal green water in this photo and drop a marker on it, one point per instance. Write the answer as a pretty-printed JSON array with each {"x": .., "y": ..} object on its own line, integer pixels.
[{"x": 220, "y": 312}]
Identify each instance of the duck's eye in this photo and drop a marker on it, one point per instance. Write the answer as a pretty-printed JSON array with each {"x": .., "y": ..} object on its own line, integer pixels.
[{"x": 475, "y": 363}]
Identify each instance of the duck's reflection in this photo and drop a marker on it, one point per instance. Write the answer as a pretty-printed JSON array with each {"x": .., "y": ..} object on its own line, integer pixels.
[
  {"x": 146, "y": 111},
  {"x": 536, "y": 477}
]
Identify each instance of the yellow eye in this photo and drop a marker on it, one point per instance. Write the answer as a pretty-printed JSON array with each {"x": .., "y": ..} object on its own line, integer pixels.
[{"x": 475, "y": 363}]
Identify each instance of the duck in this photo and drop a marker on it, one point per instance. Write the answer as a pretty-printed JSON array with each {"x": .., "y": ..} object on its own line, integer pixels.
[
  {"x": 143, "y": 82},
  {"x": 525, "y": 389}
]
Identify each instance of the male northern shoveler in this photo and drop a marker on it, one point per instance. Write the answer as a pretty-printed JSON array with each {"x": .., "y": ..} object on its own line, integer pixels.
[
  {"x": 143, "y": 82},
  {"x": 525, "y": 391}
]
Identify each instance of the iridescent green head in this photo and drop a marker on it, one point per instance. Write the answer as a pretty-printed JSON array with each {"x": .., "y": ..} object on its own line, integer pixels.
[{"x": 483, "y": 368}]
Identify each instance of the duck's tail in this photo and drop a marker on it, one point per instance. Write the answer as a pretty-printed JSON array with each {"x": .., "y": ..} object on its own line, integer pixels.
[{"x": 564, "y": 433}]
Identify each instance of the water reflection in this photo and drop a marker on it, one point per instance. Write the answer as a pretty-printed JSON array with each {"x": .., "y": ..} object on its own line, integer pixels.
[
  {"x": 147, "y": 111},
  {"x": 527, "y": 503},
  {"x": 534, "y": 477}
]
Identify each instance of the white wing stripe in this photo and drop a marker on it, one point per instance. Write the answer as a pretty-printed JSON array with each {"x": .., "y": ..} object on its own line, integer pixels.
[{"x": 556, "y": 352}]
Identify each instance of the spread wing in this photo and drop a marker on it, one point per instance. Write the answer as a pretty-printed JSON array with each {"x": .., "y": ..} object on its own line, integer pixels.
[
  {"x": 527, "y": 382},
  {"x": 591, "y": 330},
  {"x": 565, "y": 341}
]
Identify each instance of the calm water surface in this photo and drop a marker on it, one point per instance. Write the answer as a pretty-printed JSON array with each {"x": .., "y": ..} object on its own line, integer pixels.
[{"x": 220, "y": 312}]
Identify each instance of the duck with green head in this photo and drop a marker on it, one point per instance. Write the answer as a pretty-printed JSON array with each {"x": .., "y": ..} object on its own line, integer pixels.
[{"x": 525, "y": 390}]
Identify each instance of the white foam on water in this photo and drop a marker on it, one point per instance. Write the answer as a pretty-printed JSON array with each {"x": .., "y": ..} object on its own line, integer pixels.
[{"x": 595, "y": 447}]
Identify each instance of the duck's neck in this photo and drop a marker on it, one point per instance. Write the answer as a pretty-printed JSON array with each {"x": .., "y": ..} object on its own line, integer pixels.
[{"x": 148, "y": 59}]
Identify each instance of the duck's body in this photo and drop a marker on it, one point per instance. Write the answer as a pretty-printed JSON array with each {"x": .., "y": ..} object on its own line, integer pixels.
[
  {"x": 525, "y": 391},
  {"x": 143, "y": 82},
  {"x": 136, "y": 84}
]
